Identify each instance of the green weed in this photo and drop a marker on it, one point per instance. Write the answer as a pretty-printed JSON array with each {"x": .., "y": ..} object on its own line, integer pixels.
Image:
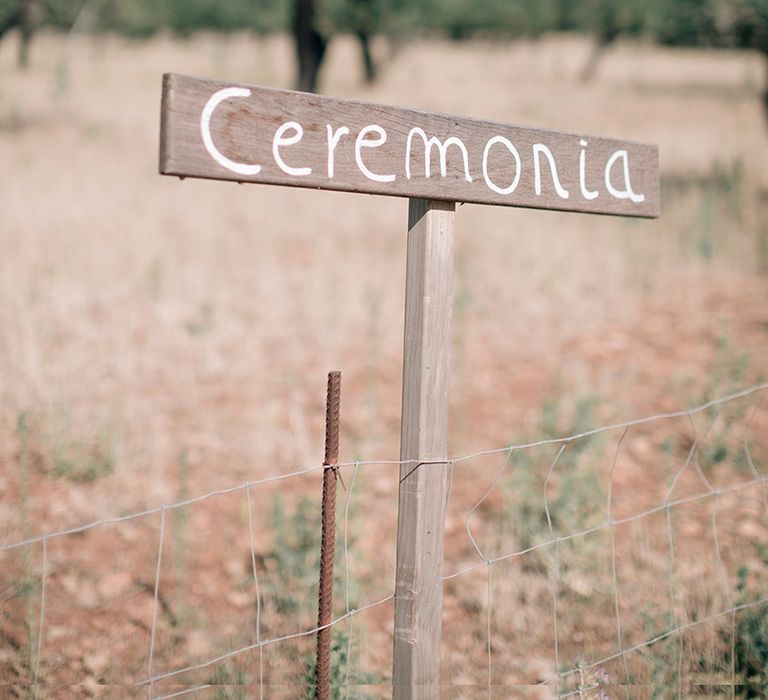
[
  {"x": 751, "y": 644},
  {"x": 76, "y": 455},
  {"x": 294, "y": 559},
  {"x": 731, "y": 367},
  {"x": 720, "y": 194},
  {"x": 181, "y": 530},
  {"x": 293, "y": 563},
  {"x": 342, "y": 672},
  {"x": 77, "y": 461},
  {"x": 203, "y": 321},
  {"x": 26, "y": 587},
  {"x": 663, "y": 656},
  {"x": 730, "y": 373},
  {"x": 576, "y": 498},
  {"x": 231, "y": 682}
]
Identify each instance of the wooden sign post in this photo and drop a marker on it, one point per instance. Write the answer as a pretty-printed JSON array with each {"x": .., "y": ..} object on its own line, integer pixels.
[{"x": 248, "y": 134}]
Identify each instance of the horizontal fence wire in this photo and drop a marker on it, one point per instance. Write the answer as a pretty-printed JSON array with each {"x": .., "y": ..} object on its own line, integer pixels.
[
  {"x": 560, "y": 679},
  {"x": 382, "y": 462}
]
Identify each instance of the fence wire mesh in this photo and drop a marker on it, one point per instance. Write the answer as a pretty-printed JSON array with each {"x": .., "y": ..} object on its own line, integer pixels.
[{"x": 627, "y": 556}]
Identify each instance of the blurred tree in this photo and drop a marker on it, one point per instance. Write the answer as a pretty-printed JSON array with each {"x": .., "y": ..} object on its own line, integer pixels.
[
  {"x": 31, "y": 16},
  {"x": 314, "y": 26},
  {"x": 749, "y": 29},
  {"x": 141, "y": 18},
  {"x": 363, "y": 19},
  {"x": 134, "y": 19},
  {"x": 310, "y": 44},
  {"x": 565, "y": 15},
  {"x": 737, "y": 23},
  {"x": 187, "y": 16},
  {"x": 686, "y": 23},
  {"x": 10, "y": 15},
  {"x": 490, "y": 17},
  {"x": 607, "y": 30},
  {"x": 608, "y": 20},
  {"x": 23, "y": 15}
]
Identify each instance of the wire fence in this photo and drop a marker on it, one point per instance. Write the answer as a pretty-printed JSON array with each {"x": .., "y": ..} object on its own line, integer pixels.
[{"x": 628, "y": 555}]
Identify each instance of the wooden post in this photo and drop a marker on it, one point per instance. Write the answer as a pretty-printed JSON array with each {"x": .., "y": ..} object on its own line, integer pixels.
[{"x": 423, "y": 481}]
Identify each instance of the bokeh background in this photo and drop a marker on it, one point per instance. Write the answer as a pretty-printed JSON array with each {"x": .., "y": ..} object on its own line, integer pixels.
[{"x": 161, "y": 339}]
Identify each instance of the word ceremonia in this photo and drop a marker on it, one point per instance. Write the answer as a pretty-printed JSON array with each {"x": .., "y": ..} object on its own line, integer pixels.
[{"x": 290, "y": 138}]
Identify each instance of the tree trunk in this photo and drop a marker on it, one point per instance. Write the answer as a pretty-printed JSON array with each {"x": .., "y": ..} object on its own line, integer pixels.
[
  {"x": 310, "y": 45},
  {"x": 27, "y": 25},
  {"x": 564, "y": 14},
  {"x": 593, "y": 61},
  {"x": 764, "y": 51},
  {"x": 12, "y": 19},
  {"x": 608, "y": 31},
  {"x": 24, "y": 17},
  {"x": 369, "y": 66},
  {"x": 602, "y": 41}
]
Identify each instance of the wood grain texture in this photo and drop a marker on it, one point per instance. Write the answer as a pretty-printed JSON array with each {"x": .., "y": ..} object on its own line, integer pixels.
[
  {"x": 424, "y": 430},
  {"x": 243, "y": 128}
]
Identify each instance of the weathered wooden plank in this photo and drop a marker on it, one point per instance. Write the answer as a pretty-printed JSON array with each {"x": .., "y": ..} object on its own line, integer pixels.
[
  {"x": 424, "y": 443},
  {"x": 222, "y": 131}
]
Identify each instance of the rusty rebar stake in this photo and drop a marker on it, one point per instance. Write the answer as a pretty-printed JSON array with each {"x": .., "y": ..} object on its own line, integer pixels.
[{"x": 328, "y": 538}]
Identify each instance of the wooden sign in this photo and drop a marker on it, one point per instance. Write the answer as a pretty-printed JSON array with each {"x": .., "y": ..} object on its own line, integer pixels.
[
  {"x": 222, "y": 131},
  {"x": 247, "y": 134}
]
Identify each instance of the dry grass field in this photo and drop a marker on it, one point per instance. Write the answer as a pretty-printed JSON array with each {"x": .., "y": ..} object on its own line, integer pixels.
[{"x": 163, "y": 339}]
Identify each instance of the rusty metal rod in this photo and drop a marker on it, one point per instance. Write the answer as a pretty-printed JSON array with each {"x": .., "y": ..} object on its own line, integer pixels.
[{"x": 328, "y": 538}]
